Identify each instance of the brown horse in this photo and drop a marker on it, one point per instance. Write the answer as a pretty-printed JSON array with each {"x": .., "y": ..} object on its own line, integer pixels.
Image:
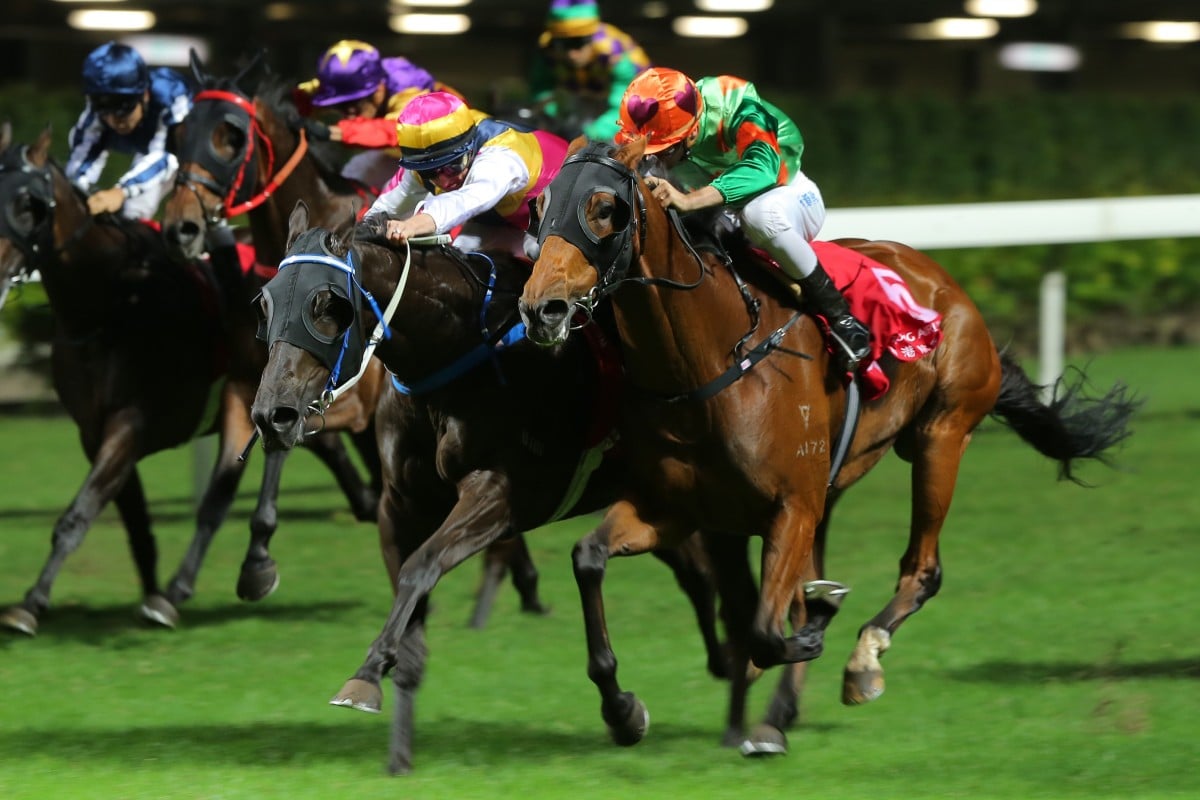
[
  {"x": 138, "y": 361},
  {"x": 751, "y": 448},
  {"x": 240, "y": 153},
  {"x": 492, "y": 441}
]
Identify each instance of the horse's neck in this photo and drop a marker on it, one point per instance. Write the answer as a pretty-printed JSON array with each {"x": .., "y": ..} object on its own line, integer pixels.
[
  {"x": 268, "y": 222},
  {"x": 677, "y": 339},
  {"x": 437, "y": 320},
  {"x": 78, "y": 269}
]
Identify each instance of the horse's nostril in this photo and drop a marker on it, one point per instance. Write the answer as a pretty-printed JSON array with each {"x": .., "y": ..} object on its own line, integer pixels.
[
  {"x": 284, "y": 417},
  {"x": 554, "y": 312},
  {"x": 187, "y": 231}
]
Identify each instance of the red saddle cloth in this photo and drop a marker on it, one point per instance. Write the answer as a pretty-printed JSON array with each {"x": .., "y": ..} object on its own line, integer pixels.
[{"x": 880, "y": 299}]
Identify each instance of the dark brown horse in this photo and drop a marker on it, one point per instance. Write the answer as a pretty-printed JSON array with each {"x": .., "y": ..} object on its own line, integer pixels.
[
  {"x": 240, "y": 152},
  {"x": 139, "y": 362},
  {"x": 757, "y": 456},
  {"x": 493, "y": 438}
]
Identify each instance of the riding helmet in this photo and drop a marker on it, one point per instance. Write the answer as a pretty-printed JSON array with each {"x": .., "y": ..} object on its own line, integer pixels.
[{"x": 661, "y": 104}]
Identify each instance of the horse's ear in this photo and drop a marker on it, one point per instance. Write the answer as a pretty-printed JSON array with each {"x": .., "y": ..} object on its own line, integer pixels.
[
  {"x": 631, "y": 154},
  {"x": 39, "y": 152},
  {"x": 297, "y": 223},
  {"x": 576, "y": 145},
  {"x": 197, "y": 67},
  {"x": 5, "y": 135},
  {"x": 256, "y": 61}
]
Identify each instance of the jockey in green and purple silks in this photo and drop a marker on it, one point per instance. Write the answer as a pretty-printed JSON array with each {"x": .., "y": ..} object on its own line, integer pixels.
[
  {"x": 728, "y": 146},
  {"x": 590, "y": 61}
]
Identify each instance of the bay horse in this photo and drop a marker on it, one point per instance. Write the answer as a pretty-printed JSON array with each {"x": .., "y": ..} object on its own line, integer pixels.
[
  {"x": 751, "y": 449},
  {"x": 240, "y": 152},
  {"x": 138, "y": 361},
  {"x": 492, "y": 440}
]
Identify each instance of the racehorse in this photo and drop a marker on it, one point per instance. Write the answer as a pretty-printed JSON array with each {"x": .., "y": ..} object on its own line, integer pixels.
[
  {"x": 138, "y": 362},
  {"x": 243, "y": 154},
  {"x": 494, "y": 439},
  {"x": 755, "y": 449}
]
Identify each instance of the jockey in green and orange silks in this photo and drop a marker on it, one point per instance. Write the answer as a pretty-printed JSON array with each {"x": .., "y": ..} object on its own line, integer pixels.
[{"x": 727, "y": 146}]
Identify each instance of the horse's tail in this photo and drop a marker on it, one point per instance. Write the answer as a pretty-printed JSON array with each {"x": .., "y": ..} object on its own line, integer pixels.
[{"x": 1072, "y": 426}]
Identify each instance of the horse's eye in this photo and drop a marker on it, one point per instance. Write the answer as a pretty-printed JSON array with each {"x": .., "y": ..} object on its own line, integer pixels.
[{"x": 331, "y": 314}]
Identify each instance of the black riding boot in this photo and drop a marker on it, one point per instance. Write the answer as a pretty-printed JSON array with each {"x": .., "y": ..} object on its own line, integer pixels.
[{"x": 852, "y": 338}]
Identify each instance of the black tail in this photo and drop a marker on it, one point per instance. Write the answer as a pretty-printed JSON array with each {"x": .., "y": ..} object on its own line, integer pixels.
[{"x": 1072, "y": 426}]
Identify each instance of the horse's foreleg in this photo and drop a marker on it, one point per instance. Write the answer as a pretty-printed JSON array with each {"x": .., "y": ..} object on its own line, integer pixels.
[
  {"x": 364, "y": 500},
  {"x": 112, "y": 465},
  {"x": 694, "y": 574},
  {"x": 218, "y": 497},
  {"x": 787, "y": 551},
  {"x": 481, "y": 515},
  {"x": 131, "y": 504},
  {"x": 623, "y": 533},
  {"x": 259, "y": 575},
  {"x": 934, "y": 473},
  {"x": 734, "y": 581}
]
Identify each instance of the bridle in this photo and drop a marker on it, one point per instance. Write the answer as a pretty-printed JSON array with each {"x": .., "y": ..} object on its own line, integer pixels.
[
  {"x": 21, "y": 177},
  {"x": 231, "y": 180}
]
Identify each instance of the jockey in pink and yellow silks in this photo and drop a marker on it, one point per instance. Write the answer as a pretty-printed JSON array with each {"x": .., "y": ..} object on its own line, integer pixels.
[{"x": 460, "y": 167}]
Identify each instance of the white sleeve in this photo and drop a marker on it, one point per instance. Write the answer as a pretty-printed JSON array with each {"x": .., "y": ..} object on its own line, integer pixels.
[
  {"x": 400, "y": 201},
  {"x": 86, "y": 159},
  {"x": 496, "y": 173}
]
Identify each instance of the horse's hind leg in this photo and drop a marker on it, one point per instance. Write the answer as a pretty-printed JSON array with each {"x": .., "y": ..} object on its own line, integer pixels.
[
  {"x": 259, "y": 576},
  {"x": 936, "y": 456},
  {"x": 111, "y": 467},
  {"x": 735, "y": 586}
]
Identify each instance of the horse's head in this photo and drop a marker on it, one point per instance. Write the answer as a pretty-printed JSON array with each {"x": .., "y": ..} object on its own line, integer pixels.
[
  {"x": 224, "y": 151},
  {"x": 311, "y": 319},
  {"x": 26, "y": 206},
  {"x": 592, "y": 229}
]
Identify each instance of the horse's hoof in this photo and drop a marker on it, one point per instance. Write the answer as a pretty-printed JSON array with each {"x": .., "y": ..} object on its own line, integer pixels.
[
  {"x": 157, "y": 610},
  {"x": 859, "y": 688},
  {"x": 733, "y": 737},
  {"x": 255, "y": 584},
  {"x": 630, "y": 730},
  {"x": 19, "y": 619},
  {"x": 360, "y": 695},
  {"x": 535, "y": 608},
  {"x": 764, "y": 740},
  {"x": 399, "y": 766}
]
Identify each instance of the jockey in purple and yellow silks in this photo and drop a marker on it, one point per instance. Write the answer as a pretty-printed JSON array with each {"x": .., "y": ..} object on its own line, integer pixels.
[
  {"x": 460, "y": 167},
  {"x": 728, "y": 146},
  {"x": 589, "y": 61},
  {"x": 368, "y": 92},
  {"x": 130, "y": 109}
]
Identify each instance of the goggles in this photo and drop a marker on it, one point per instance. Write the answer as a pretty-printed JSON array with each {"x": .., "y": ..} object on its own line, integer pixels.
[
  {"x": 117, "y": 105},
  {"x": 568, "y": 43},
  {"x": 453, "y": 169}
]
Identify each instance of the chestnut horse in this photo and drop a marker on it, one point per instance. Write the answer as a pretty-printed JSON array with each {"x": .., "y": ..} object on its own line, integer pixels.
[
  {"x": 495, "y": 437},
  {"x": 241, "y": 154},
  {"x": 139, "y": 362},
  {"x": 714, "y": 439}
]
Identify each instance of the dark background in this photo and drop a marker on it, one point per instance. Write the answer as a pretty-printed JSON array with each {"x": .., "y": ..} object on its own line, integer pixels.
[{"x": 810, "y": 46}]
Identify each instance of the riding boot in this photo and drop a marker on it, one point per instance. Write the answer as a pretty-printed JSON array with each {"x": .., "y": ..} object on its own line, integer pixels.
[{"x": 852, "y": 338}]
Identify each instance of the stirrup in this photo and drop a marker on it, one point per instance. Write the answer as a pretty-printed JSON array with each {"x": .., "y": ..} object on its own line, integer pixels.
[
  {"x": 822, "y": 589},
  {"x": 850, "y": 356}
]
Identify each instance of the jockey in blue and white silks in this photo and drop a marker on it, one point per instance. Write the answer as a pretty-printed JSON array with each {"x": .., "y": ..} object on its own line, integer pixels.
[{"x": 130, "y": 109}]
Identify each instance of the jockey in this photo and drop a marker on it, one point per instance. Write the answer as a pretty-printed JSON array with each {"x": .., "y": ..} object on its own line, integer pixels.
[
  {"x": 367, "y": 92},
  {"x": 588, "y": 61},
  {"x": 130, "y": 109},
  {"x": 730, "y": 147},
  {"x": 462, "y": 167}
]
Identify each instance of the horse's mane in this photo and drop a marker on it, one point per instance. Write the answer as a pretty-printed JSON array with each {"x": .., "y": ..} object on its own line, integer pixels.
[{"x": 275, "y": 92}]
